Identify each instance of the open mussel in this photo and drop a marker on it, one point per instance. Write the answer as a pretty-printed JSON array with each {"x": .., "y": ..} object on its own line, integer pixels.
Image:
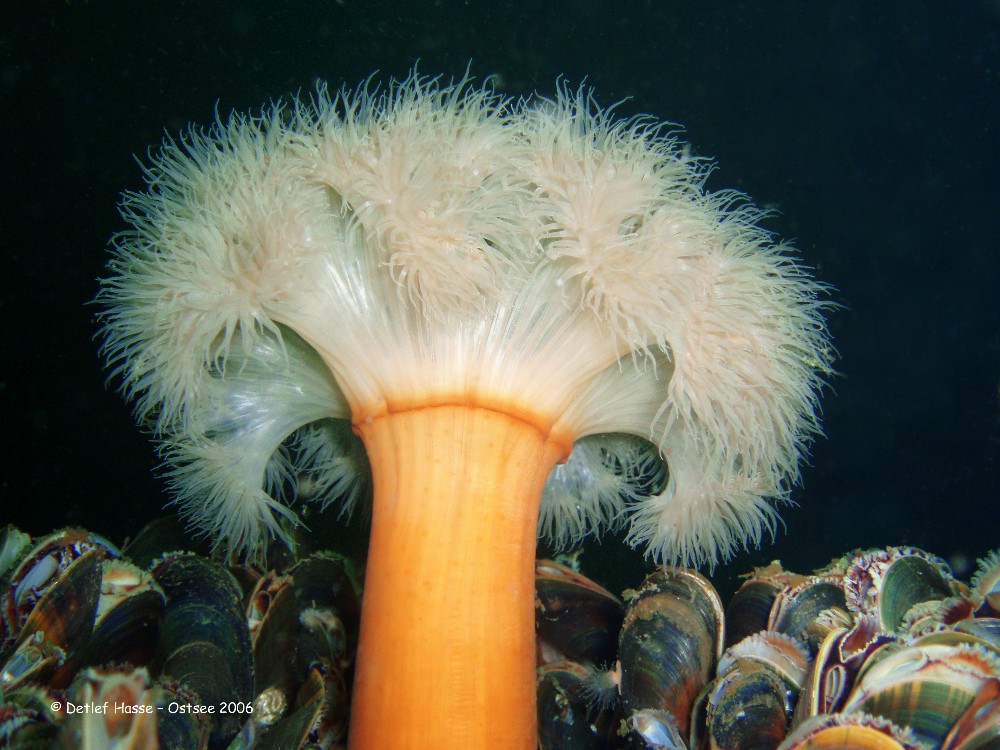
[
  {"x": 48, "y": 605},
  {"x": 888, "y": 583},
  {"x": 129, "y": 614},
  {"x": 110, "y": 708},
  {"x": 836, "y": 664},
  {"x": 317, "y": 719},
  {"x": 273, "y": 623}
]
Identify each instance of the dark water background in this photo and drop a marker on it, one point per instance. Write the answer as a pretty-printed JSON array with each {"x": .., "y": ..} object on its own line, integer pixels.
[{"x": 870, "y": 129}]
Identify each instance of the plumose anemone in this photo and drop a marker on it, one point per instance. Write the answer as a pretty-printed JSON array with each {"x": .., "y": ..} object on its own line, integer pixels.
[{"x": 515, "y": 305}]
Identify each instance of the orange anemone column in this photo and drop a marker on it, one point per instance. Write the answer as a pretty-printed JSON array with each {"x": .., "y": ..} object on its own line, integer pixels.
[{"x": 446, "y": 653}]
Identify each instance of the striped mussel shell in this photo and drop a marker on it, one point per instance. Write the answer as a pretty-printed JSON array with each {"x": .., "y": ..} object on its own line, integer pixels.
[
  {"x": 670, "y": 642},
  {"x": 750, "y": 607},
  {"x": 927, "y": 685},
  {"x": 751, "y": 701},
  {"x": 798, "y": 608},
  {"x": 204, "y": 642}
]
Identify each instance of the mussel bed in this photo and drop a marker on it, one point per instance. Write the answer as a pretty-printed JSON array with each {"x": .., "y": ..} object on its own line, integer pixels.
[{"x": 147, "y": 646}]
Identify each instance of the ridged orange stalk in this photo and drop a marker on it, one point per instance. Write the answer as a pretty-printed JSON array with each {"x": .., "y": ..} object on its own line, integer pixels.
[{"x": 446, "y": 654}]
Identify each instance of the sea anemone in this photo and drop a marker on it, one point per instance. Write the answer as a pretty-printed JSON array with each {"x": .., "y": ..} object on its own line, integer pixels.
[{"x": 515, "y": 305}]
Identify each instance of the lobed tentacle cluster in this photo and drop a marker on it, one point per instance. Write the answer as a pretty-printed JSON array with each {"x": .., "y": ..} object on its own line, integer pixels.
[{"x": 333, "y": 259}]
